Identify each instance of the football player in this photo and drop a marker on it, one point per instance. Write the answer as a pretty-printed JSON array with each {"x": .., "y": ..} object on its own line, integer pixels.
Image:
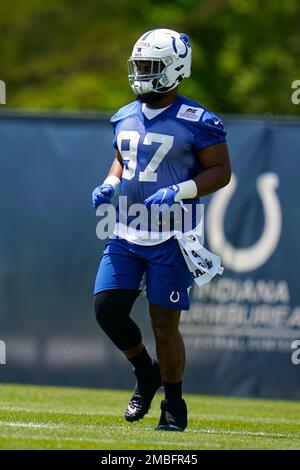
[{"x": 168, "y": 150}]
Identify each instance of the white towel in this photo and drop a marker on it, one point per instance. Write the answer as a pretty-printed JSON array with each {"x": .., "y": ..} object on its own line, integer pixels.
[{"x": 203, "y": 264}]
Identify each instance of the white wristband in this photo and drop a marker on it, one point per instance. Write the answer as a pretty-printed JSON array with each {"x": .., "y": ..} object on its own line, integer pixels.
[
  {"x": 187, "y": 190},
  {"x": 114, "y": 181}
]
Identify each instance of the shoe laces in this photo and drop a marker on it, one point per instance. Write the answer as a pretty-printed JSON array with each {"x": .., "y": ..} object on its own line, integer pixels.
[{"x": 136, "y": 401}]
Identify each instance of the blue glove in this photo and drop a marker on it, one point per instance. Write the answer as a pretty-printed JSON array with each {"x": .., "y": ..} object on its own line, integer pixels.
[
  {"x": 102, "y": 194},
  {"x": 163, "y": 196}
]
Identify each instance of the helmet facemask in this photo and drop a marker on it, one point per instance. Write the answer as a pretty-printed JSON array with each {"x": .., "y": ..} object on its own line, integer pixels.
[{"x": 149, "y": 74}]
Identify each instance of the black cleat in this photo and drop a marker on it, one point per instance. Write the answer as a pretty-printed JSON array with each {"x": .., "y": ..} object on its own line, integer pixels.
[
  {"x": 173, "y": 416},
  {"x": 143, "y": 395}
]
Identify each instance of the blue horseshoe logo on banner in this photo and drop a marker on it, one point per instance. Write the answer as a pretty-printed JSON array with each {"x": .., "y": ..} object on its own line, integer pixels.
[{"x": 251, "y": 258}]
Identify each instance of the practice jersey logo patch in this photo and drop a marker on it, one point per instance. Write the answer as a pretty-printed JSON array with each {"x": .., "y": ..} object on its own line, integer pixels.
[
  {"x": 174, "y": 296},
  {"x": 189, "y": 113}
]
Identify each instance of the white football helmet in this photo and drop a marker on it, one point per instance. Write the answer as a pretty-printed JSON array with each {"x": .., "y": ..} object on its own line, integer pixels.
[{"x": 160, "y": 59}]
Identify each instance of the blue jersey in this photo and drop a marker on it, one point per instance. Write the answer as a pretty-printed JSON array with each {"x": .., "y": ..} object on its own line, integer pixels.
[{"x": 162, "y": 151}]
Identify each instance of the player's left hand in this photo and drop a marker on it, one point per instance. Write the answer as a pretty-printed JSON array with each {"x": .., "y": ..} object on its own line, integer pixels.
[{"x": 163, "y": 196}]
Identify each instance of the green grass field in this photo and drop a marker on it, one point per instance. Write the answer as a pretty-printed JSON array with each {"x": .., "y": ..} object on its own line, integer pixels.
[{"x": 68, "y": 418}]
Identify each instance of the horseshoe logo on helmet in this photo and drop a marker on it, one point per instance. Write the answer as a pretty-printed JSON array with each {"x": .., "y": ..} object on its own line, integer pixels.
[
  {"x": 186, "y": 43},
  {"x": 251, "y": 258}
]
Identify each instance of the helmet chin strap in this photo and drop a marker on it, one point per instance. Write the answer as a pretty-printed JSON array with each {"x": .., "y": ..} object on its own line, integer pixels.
[
  {"x": 142, "y": 87},
  {"x": 165, "y": 89}
]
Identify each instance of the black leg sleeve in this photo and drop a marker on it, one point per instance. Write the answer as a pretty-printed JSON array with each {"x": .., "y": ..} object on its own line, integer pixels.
[{"x": 112, "y": 308}]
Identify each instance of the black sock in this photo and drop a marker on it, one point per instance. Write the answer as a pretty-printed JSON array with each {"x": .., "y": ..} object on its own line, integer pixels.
[
  {"x": 141, "y": 363},
  {"x": 173, "y": 392}
]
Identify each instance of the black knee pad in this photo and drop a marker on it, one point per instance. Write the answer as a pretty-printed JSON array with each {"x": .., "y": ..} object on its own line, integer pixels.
[{"x": 112, "y": 309}]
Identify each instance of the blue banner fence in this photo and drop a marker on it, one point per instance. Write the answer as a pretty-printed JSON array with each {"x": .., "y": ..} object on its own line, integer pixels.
[{"x": 242, "y": 332}]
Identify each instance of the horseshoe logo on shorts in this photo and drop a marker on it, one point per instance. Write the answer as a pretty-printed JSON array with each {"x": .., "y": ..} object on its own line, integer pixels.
[
  {"x": 177, "y": 298},
  {"x": 246, "y": 259}
]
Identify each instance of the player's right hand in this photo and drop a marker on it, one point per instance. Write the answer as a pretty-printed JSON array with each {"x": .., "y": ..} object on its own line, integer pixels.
[{"x": 102, "y": 194}]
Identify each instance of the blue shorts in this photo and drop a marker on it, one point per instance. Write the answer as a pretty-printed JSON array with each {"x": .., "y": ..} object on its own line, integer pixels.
[{"x": 160, "y": 269}]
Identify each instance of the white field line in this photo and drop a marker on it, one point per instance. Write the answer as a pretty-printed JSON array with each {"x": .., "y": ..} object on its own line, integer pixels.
[
  {"x": 108, "y": 412},
  {"x": 248, "y": 433},
  {"x": 250, "y": 419},
  {"x": 50, "y": 426},
  {"x": 18, "y": 424},
  {"x": 35, "y": 409},
  {"x": 204, "y": 444},
  {"x": 65, "y": 438},
  {"x": 228, "y": 432},
  {"x": 101, "y": 440}
]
